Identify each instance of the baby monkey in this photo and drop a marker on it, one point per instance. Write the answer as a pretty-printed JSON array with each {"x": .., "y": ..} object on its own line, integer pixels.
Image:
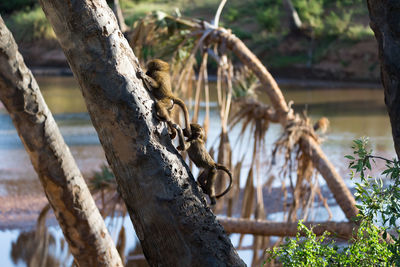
[
  {"x": 198, "y": 153},
  {"x": 157, "y": 80}
]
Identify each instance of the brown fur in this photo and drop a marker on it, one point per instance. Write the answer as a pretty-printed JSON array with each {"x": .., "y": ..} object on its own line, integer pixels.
[
  {"x": 157, "y": 79},
  {"x": 198, "y": 153}
]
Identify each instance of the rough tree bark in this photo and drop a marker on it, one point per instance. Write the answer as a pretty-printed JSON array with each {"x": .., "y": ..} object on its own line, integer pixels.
[
  {"x": 385, "y": 22},
  {"x": 63, "y": 184},
  {"x": 342, "y": 194},
  {"x": 167, "y": 209}
]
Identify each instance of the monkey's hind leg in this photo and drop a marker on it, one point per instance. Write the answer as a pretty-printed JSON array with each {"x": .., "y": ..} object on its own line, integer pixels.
[
  {"x": 163, "y": 115},
  {"x": 207, "y": 183},
  {"x": 201, "y": 180}
]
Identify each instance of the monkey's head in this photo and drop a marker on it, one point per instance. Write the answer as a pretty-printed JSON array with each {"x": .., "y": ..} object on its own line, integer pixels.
[
  {"x": 197, "y": 131},
  {"x": 157, "y": 65}
]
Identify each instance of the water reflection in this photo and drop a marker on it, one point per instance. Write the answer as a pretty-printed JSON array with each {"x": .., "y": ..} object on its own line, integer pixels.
[{"x": 39, "y": 248}]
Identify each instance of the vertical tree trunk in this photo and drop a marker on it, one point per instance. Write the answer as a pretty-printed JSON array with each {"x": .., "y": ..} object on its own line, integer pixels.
[
  {"x": 76, "y": 212},
  {"x": 294, "y": 19},
  {"x": 169, "y": 213},
  {"x": 120, "y": 17},
  {"x": 385, "y": 21}
]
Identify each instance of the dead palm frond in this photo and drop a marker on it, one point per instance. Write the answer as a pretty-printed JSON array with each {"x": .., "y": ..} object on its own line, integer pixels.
[
  {"x": 306, "y": 186},
  {"x": 248, "y": 201},
  {"x": 234, "y": 193}
]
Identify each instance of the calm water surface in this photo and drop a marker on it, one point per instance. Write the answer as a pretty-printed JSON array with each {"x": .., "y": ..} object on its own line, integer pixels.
[{"x": 352, "y": 113}]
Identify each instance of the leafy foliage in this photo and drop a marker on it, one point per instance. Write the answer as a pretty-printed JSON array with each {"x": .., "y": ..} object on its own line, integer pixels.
[
  {"x": 304, "y": 251},
  {"x": 30, "y": 25},
  {"x": 269, "y": 17},
  {"x": 380, "y": 203},
  {"x": 376, "y": 241}
]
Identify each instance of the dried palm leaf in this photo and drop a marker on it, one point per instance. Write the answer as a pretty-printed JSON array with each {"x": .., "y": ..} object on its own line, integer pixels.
[
  {"x": 224, "y": 158},
  {"x": 248, "y": 201},
  {"x": 121, "y": 243},
  {"x": 234, "y": 193}
]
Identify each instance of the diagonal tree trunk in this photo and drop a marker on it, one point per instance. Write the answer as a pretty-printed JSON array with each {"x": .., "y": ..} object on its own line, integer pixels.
[
  {"x": 385, "y": 21},
  {"x": 169, "y": 213},
  {"x": 334, "y": 181},
  {"x": 73, "y": 205}
]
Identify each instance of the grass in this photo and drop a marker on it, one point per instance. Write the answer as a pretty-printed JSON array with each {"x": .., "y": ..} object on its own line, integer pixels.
[
  {"x": 31, "y": 25},
  {"x": 190, "y": 8},
  {"x": 134, "y": 11}
]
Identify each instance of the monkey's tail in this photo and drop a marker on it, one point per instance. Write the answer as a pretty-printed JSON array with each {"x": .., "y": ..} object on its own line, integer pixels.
[
  {"x": 225, "y": 169},
  {"x": 186, "y": 113}
]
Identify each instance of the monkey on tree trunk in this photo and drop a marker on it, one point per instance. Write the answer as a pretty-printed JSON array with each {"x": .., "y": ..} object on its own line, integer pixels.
[
  {"x": 196, "y": 149},
  {"x": 157, "y": 80}
]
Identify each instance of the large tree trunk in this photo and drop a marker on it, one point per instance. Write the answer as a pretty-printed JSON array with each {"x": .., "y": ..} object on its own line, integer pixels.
[
  {"x": 334, "y": 181},
  {"x": 76, "y": 212},
  {"x": 385, "y": 21},
  {"x": 168, "y": 210}
]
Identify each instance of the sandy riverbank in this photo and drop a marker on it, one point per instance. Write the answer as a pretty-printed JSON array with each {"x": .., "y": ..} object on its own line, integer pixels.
[{"x": 20, "y": 212}]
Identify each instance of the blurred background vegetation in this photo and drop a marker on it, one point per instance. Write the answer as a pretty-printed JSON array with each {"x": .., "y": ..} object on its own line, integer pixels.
[{"x": 262, "y": 24}]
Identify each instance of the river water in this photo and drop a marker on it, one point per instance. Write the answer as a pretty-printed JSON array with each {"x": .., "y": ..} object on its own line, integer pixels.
[{"x": 353, "y": 112}]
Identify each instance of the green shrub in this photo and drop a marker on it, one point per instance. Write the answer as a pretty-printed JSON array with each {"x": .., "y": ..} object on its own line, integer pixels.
[
  {"x": 30, "y": 25},
  {"x": 269, "y": 18},
  {"x": 380, "y": 203},
  {"x": 310, "y": 12},
  {"x": 309, "y": 250},
  {"x": 379, "y": 215},
  {"x": 336, "y": 24},
  {"x": 268, "y": 13}
]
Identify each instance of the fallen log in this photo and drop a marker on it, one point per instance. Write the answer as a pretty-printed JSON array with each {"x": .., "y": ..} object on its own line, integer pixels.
[{"x": 268, "y": 228}]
